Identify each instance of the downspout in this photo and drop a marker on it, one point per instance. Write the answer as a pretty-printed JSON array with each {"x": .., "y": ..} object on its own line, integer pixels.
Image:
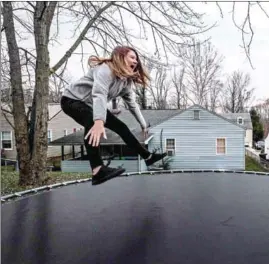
[{"x": 161, "y": 139}]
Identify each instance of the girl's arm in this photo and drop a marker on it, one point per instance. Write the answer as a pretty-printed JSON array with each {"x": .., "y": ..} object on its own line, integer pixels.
[
  {"x": 129, "y": 99},
  {"x": 102, "y": 80}
]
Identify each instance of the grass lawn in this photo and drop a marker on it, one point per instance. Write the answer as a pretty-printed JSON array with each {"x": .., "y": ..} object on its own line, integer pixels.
[
  {"x": 10, "y": 178},
  {"x": 253, "y": 165}
]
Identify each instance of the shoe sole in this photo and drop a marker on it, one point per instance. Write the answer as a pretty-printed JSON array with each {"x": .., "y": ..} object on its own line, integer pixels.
[{"x": 110, "y": 176}]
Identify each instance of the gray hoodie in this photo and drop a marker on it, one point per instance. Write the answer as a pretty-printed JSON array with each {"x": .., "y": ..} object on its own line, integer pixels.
[{"x": 98, "y": 87}]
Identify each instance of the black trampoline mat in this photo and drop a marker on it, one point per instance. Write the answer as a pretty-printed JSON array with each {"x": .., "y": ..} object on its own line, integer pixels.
[{"x": 189, "y": 218}]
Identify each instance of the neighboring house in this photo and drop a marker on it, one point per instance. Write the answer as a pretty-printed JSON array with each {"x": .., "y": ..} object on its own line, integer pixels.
[
  {"x": 8, "y": 148},
  {"x": 243, "y": 119},
  {"x": 266, "y": 146},
  {"x": 194, "y": 138},
  {"x": 266, "y": 139},
  {"x": 59, "y": 125}
]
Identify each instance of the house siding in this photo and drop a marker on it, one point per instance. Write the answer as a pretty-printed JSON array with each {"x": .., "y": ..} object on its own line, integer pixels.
[
  {"x": 84, "y": 165},
  {"x": 57, "y": 125},
  {"x": 196, "y": 141},
  {"x": 266, "y": 146},
  {"x": 248, "y": 138},
  {"x": 5, "y": 126}
]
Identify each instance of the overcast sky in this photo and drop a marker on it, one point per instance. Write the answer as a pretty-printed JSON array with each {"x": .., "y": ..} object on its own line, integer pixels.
[{"x": 225, "y": 37}]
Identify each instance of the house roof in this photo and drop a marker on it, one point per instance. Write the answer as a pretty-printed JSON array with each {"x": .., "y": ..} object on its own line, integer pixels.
[
  {"x": 77, "y": 138},
  {"x": 155, "y": 116},
  {"x": 53, "y": 108},
  {"x": 234, "y": 116},
  {"x": 216, "y": 114}
]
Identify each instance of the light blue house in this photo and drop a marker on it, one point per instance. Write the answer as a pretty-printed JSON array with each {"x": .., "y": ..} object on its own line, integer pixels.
[
  {"x": 199, "y": 139},
  {"x": 194, "y": 138}
]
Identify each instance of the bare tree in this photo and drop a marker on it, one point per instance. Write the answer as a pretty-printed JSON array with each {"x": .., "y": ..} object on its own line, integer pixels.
[
  {"x": 202, "y": 68},
  {"x": 103, "y": 28},
  {"x": 236, "y": 94},
  {"x": 159, "y": 88},
  {"x": 179, "y": 99},
  {"x": 31, "y": 148},
  {"x": 57, "y": 85},
  {"x": 142, "y": 92},
  {"x": 246, "y": 27},
  {"x": 263, "y": 110},
  {"x": 214, "y": 101}
]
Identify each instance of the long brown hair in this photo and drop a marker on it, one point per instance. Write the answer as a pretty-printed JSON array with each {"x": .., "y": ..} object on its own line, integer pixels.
[{"x": 118, "y": 65}]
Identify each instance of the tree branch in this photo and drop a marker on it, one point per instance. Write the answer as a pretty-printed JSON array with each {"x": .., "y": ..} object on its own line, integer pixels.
[
  {"x": 247, "y": 48},
  {"x": 31, "y": 4},
  {"x": 262, "y": 9},
  {"x": 6, "y": 111},
  {"x": 80, "y": 38},
  {"x": 220, "y": 10},
  {"x": 27, "y": 51},
  {"x": 5, "y": 116}
]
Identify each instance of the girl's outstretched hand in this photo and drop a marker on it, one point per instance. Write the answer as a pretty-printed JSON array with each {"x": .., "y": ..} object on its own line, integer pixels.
[{"x": 96, "y": 132}]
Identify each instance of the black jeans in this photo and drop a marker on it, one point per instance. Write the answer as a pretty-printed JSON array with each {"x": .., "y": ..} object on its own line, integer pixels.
[{"x": 83, "y": 114}]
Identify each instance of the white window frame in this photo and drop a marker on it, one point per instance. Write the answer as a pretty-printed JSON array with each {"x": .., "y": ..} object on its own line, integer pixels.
[
  {"x": 49, "y": 131},
  {"x": 11, "y": 139},
  {"x": 240, "y": 117},
  {"x": 169, "y": 148},
  {"x": 221, "y": 154},
  {"x": 196, "y": 111}
]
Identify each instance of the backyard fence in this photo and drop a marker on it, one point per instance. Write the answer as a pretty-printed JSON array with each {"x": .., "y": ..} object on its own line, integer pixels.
[
  {"x": 251, "y": 153},
  {"x": 8, "y": 162}
]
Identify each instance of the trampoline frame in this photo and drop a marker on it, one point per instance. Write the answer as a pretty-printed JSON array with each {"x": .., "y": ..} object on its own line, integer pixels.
[{"x": 15, "y": 195}]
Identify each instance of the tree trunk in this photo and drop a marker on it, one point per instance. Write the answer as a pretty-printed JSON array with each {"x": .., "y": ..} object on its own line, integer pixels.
[
  {"x": 19, "y": 114},
  {"x": 39, "y": 119},
  {"x": 144, "y": 98},
  {"x": 31, "y": 145},
  {"x": 141, "y": 97}
]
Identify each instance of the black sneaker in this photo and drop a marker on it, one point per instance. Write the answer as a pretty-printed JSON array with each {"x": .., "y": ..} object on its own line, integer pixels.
[
  {"x": 106, "y": 173},
  {"x": 154, "y": 158}
]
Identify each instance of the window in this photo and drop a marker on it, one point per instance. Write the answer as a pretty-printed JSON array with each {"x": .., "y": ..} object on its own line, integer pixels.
[
  {"x": 49, "y": 136},
  {"x": 196, "y": 114},
  {"x": 65, "y": 132},
  {"x": 75, "y": 129},
  {"x": 221, "y": 146},
  {"x": 6, "y": 140},
  {"x": 170, "y": 146},
  {"x": 240, "y": 120}
]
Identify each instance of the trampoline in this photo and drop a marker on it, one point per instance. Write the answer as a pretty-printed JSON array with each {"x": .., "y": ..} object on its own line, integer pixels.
[{"x": 189, "y": 218}]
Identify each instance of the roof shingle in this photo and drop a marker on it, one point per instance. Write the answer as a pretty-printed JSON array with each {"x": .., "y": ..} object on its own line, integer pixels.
[{"x": 155, "y": 116}]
